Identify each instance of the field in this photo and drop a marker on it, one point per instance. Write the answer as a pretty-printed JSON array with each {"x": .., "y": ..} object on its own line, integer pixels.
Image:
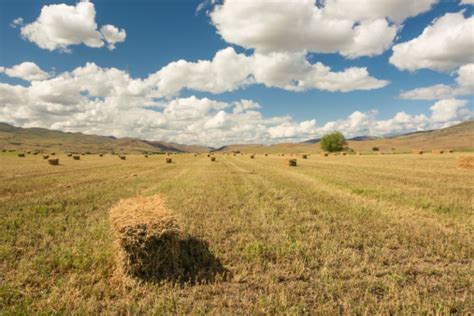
[{"x": 338, "y": 234}]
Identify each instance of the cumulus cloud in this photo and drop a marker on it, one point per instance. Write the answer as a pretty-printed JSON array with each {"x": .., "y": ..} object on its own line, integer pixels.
[
  {"x": 444, "y": 45},
  {"x": 107, "y": 101},
  {"x": 228, "y": 71},
  {"x": 27, "y": 71},
  {"x": 464, "y": 86},
  {"x": 352, "y": 28},
  {"x": 60, "y": 26}
]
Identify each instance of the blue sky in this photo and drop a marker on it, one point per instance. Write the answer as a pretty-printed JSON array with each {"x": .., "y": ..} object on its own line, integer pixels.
[{"x": 161, "y": 32}]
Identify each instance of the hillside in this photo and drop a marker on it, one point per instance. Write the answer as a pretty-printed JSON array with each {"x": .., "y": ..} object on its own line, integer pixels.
[
  {"x": 458, "y": 137},
  {"x": 17, "y": 138}
]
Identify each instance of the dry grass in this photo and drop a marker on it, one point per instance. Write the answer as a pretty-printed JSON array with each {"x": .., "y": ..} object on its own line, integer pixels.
[
  {"x": 369, "y": 234},
  {"x": 465, "y": 162}
]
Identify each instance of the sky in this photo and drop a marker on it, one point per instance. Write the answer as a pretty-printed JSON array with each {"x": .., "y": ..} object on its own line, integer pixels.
[{"x": 220, "y": 72}]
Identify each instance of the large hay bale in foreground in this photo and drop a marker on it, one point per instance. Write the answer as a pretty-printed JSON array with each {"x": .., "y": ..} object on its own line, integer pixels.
[
  {"x": 139, "y": 225},
  {"x": 53, "y": 162},
  {"x": 465, "y": 162},
  {"x": 151, "y": 247}
]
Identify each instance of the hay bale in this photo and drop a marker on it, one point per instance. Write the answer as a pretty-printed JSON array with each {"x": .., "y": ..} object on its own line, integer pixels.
[
  {"x": 69, "y": 155},
  {"x": 465, "y": 162},
  {"x": 252, "y": 156},
  {"x": 53, "y": 154},
  {"x": 213, "y": 158},
  {"x": 76, "y": 157},
  {"x": 291, "y": 162},
  {"x": 53, "y": 162},
  {"x": 101, "y": 155},
  {"x": 169, "y": 160},
  {"x": 139, "y": 228},
  {"x": 21, "y": 155},
  {"x": 451, "y": 151},
  {"x": 4, "y": 150},
  {"x": 324, "y": 154},
  {"x": 304, "y": 156},
  {"x": 418, "y": 151},
  {"x": 45, "y": 156},
  {"x": 344, "y": 153},
  {"x": 146, "y": 156},
  {"x": 123, "y": 157},
  {"x": 437, "y": 151},
  {"x": 266, "y": 155}
]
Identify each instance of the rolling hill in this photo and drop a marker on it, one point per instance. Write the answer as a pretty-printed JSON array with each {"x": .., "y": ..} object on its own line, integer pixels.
[
  {"x": 17, "y": 138},
  {"x": 458, "y": 137}
]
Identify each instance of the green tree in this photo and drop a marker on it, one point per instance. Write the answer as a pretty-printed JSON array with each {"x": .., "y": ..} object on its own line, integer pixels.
[{"x": 333, "y": 142}]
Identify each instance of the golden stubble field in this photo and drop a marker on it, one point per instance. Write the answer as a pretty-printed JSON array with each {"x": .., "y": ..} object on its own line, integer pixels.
[{"x": 338, "y": 234}]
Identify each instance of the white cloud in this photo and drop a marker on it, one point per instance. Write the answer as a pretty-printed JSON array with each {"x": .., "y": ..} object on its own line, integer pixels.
[
  {"x": 27, "y": 71},
  {"x": 352, "y": 28},
  {"x": 467, "y": 2},
  {"x": 112, "y": 35},
  {"x": 107, "y": 101},
  {"x": 464, "y": 86},
  {"x": 229, "y": 71},
  {"x": 443, "y": 46},
  {"x": 16, "y": 23},
  {"x": 60, "y": 26}
]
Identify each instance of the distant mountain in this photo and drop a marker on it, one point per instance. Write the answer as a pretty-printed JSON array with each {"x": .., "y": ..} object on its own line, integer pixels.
[
  {"x": 458, "y": 137},
  {"x": 12, "y": 137}
]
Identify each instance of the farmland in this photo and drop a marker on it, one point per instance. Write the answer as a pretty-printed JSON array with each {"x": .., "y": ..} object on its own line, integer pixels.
[{"x": 337, "y": 234}]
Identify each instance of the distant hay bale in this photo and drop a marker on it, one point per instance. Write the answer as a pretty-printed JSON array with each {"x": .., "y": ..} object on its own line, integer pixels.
[
  {"x": 101, "y": 155},
  {"x": 465, "y": 162},
  {"x": 76, "y": 157},
  {"x": 266, "y": 155},
  {"x": 437, "y": 151},
  {"x": 28, "y": 152},
  {"x": 45, "y": 156},
  {"x": 304, "y": 156},
  {"x": 69, "y": 155},
  {"x": 53, "y": 154},
  {"x": 123, "y": 157},
  {"x": 451, "y": 151},
  {"x": 169, "y": 160},
  {"x": 418, "y": 151},
  {"x": 4, "y": 150},
  {"x": 21, "y": 155},
  {"x": 252, "y": 156},
  {"x": 344, "y": 153},
  {"x": 208, "y": 155},
  {"x": 53, "y": 162},
  {"x": 324, "y": 154},
  {"x": 291, "y": 162},
  {"x": 213, "y": 158},
  {"x": 146, "y": 156}
]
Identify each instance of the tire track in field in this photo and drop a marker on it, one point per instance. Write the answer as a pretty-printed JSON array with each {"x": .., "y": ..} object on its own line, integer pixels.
[{"x": 410, "y": 216}]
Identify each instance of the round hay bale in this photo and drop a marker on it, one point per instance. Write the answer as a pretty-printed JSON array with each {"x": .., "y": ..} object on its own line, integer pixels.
[
  {"x": 146, "y": 156},
  {"x": 213, "y": 158},
  {"x": 101, "y": 155},
  {"x": 324, "y": 154},
  {"x": 266, "y": 155},
  {"x": 252, "y": 156},
  {"x": 304, "y": 156},
  {"x": 169, "y": 160},
  {"x": 45, "y": 156},
  {"x": 53, "y": 162},
  {"x": 53, "y": 154},
  {"x": 4, "y": 150},
  {"x": 21, "y": 155},
  {"x": 344, "y": 153},
  {"x": 465, "y": 162},
  {"x": 123, "y": 157},
  {"x": 418, "y": 151},
  {"x": 76, "y": 157},
  {"x": 291, "y": 162},
  {"x": 69, "y": 155},
  {"x": 437, "y": 151}
]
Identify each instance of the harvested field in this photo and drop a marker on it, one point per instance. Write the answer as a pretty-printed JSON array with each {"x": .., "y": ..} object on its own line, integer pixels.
[
  {"x": 465, "y": 162},
  {"x": 368, "y": 234}
]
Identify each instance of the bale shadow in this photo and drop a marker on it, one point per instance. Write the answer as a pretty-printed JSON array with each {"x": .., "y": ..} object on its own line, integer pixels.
[{"x": 174, "y": 257}]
